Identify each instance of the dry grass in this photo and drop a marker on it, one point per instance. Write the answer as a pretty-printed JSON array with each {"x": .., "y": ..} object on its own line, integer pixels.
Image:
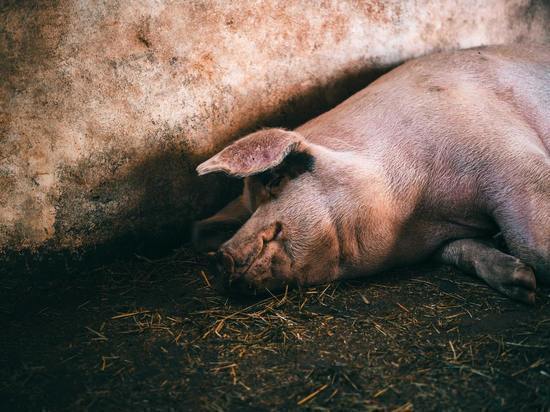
[{"x": 155, "y": 335}]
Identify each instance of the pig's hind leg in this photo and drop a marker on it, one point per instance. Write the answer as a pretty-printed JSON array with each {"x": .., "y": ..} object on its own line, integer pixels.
[
  {"x": 522, "y": 213},
  {"x": 503, "y": 272}
]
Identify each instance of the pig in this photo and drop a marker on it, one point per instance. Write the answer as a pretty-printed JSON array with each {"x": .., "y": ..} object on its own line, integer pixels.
[{"x": 437, "y": 159}]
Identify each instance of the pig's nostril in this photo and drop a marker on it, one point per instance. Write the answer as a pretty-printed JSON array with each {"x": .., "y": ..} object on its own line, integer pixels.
[
  {"x": 278, "y": 230},
  {"x": 225, "y": 262}
]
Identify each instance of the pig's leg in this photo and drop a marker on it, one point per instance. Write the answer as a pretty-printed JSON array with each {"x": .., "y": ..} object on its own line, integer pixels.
[
  {"x": 524, "y": 219},
  {"x": 209, "y": 234},
  {"x": 503, "y": 272}
]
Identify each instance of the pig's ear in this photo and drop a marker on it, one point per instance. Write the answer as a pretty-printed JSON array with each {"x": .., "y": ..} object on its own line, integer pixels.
[{"x": 255, "y": 153}]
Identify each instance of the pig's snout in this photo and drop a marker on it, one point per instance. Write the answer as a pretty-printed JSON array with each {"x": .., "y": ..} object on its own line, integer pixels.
[
  {"x": 225, "y": 262},
  {"x": 253, "y": 262},
  {"x": 227, "y": 279}
]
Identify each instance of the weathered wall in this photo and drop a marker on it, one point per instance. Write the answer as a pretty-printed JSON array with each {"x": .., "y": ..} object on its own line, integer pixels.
[{"x": 107, "y": 106}]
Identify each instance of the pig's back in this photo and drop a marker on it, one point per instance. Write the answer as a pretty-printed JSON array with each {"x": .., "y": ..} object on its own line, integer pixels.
[
  {"x": 523, "y": 79},
  {"x": 433, "y": 98}
]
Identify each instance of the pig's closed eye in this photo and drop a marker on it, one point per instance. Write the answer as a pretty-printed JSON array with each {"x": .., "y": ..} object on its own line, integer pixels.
[
  {"x": 276, "y": 182},
  {"x": 275, "y": 185}
]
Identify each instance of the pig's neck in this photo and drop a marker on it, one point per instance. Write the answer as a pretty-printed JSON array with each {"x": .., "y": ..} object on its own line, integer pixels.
[{"x": 365, "y": 212}]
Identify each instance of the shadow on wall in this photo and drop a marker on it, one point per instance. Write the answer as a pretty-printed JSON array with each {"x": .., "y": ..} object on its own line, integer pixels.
[{"x": 163, "y": 177}]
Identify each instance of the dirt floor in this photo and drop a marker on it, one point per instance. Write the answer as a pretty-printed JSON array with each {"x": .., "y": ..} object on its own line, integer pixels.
[{"x": 152, "y": 335}]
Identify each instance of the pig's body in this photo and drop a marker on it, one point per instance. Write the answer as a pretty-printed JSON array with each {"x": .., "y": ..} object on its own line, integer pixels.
[
  {"x": 447, "y": 137},
  {"x": 447, "y": 147}
]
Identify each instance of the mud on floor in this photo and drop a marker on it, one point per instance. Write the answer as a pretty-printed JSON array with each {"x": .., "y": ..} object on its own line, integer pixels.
[{"x": 152, "y": 335}]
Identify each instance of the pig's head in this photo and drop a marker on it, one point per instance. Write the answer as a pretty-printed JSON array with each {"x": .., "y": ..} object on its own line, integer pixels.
[{"x": 286, "y": 234}]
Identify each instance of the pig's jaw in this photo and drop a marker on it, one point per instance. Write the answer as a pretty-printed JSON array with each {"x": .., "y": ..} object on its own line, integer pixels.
[
  {"x": 366, "y": 215},
  {"x": 279, "y": 262}
]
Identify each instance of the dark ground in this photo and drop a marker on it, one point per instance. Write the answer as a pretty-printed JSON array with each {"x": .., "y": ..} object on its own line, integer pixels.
[{"x": 151, "y": 335}]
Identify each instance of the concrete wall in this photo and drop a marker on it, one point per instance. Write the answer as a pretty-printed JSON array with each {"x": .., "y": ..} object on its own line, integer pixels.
[{"x": 107, "y": 106}]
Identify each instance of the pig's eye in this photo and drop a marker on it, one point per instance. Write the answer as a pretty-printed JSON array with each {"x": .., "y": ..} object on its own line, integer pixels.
[
  {"x": 275, "y": 183},
  {"x": 272, "y": 182}
]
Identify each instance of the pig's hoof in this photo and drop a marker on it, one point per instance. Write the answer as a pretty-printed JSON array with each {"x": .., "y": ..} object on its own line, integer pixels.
[{"x": 521, "y": 284}]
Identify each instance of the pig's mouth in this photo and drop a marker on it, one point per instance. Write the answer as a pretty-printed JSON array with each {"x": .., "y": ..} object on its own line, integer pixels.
[
  {"x": 267, "y": 267},
  {"x": 261, "y": 250}
]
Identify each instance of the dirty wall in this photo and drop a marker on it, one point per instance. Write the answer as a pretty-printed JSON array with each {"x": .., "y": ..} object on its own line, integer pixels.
[{"x": 107, "y": 106}]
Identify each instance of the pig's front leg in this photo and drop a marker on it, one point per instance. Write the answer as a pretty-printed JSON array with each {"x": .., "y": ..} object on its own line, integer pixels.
[
  {"x": 209, "y": 234},
  {"x": 503, "y": 272}
]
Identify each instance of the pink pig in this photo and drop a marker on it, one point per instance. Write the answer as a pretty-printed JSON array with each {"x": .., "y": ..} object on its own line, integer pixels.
[{"x": 432, "y": 160}]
